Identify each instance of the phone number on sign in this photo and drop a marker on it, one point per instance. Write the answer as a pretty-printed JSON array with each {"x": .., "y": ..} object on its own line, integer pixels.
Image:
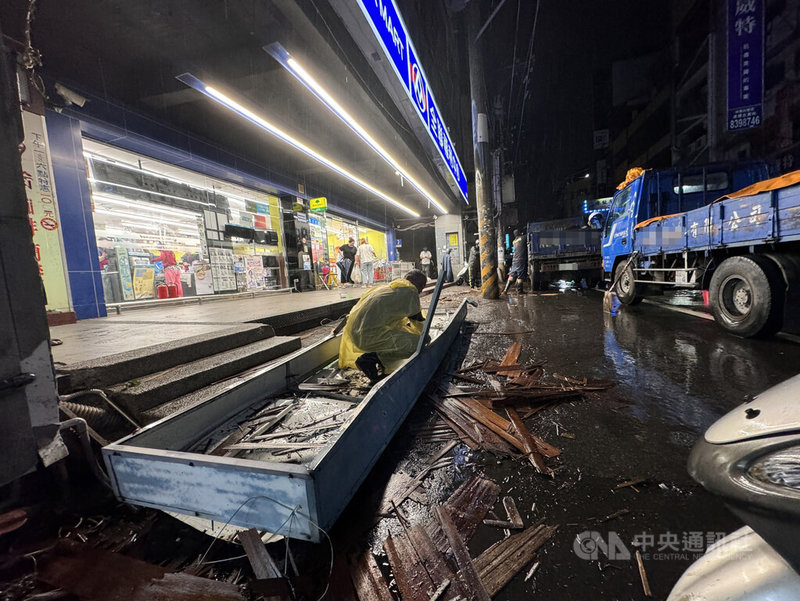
[{"x": 744, "y": 122}]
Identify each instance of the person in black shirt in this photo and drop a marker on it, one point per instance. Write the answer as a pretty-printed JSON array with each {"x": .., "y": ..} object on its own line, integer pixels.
[{"x": 348, "y": 260}]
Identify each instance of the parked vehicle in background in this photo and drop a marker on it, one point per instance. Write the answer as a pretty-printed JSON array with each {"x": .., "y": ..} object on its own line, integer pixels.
[
  {"x": 688, "y": 229},
  {"x": 564, "y": 249},
  {"x": 751, "y": 458}
]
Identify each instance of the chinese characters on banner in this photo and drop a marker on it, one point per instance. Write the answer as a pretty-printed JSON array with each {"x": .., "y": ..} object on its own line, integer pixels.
[
  {"x": 745, "y": 63},
  {"x": 37, "y": 174}
]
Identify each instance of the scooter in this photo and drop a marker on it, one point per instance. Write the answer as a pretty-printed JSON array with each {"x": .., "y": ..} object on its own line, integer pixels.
[
  {"x": 751, "y": 458},
  {"x": 462, "y": 276}
]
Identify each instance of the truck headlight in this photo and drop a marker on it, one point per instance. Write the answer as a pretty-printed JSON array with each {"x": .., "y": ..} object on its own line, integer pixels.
[{"x": 781, "y": 468}]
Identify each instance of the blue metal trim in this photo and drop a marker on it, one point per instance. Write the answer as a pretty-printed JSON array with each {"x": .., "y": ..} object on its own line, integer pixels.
[{"x": 75, "y": 212}]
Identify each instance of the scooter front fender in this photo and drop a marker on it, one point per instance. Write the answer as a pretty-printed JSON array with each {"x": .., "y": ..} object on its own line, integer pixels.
[{"x": 740, "y": 567}]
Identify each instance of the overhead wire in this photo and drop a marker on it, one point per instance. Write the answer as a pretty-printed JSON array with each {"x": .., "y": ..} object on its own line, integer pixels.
[{"x": 528, "y": 67}]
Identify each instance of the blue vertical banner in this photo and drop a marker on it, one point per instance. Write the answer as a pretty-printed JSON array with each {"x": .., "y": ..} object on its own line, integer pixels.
[
  {"x": 745, "y": 64},
  {"x": 389, "y": 29}
]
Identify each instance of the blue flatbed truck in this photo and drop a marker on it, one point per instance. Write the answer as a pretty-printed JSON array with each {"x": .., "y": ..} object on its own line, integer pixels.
[{"x": 677, "y": 230}]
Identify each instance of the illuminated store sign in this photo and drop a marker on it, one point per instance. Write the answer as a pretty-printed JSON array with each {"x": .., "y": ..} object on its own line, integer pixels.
[{"x": 390, "y": 30}]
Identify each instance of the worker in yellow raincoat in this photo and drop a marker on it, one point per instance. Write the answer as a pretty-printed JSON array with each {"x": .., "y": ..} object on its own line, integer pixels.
[{"x": 384, "y": 327}]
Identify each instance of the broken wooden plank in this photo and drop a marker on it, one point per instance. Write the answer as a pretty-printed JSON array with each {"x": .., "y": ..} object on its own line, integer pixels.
[
  {"x": 295, "y": 432},
  {"x": 467, "y": 569},
  {"x": 596, "y": 385},
  {"x": 512, "y": 358},
  {"x": 616, "y": 514},
  {"x": 413, "y": 581},
  {"x": 368, "y": 580},
  {"x": 501, "y": 562},
  {"x": 436, "y": 566},
  {"x": 529, "y": 444},
  {"x": 511, "y": 511},
  {"x": 261, "y": 561},
  {"x": 472, "y": 433},
  {"x": 465, "y": 378},
  {"x": 93, "y": 574},
  {"x": 467, "y": 507},
  {"x": 504, "y": 524},
  {"x": 273, "y": 446},
  {"x": 632, "y": 482},
  {"x": 643, "y": 575}
]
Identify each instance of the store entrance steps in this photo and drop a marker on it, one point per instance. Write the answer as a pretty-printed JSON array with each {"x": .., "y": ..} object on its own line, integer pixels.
[
  {"x": 148, "y": 392},
  {"x": 130, "y": 365}
]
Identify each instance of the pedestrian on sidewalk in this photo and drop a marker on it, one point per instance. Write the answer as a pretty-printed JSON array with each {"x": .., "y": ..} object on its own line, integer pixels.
[
  {"x": 348, "y": 261},
  {"x": 365, "y": 258},
  {"x": 384, "y": 327},
  {"x": 519, "y": 263},
  {"x": 425, "y": 261}
]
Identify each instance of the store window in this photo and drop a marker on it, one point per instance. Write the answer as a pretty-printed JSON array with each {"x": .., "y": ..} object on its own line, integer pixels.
[{"x": 166, "y": 232}]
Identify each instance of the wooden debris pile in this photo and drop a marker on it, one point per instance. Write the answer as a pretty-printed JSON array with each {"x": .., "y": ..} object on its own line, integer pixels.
[
  {"x": 289, "y": 430},
  {"x": 433, "y": 563},
  {"x": 513, "y": 389}
]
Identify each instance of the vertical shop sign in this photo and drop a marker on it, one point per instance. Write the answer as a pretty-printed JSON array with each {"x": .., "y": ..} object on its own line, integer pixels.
[
  {"x": 745, "y": 63},
  {"x": 37, "y": 174},
  {"x": 389, "y": 29}
]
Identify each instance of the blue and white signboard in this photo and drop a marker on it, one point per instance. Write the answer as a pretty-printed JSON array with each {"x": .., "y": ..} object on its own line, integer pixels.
[
  {"x": 389, "y": 29},
  {"x": 745, "y": 64}
]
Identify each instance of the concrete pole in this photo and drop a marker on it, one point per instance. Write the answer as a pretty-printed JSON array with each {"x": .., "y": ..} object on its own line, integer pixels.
[
  {"x": 480, "y": 141},
  {"x": 28, "y": 398}
]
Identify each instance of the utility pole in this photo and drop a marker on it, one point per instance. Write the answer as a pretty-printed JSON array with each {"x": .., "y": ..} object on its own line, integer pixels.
[
  {"x": 481, "y": 153},
  {"x": 28, "y": 398}
]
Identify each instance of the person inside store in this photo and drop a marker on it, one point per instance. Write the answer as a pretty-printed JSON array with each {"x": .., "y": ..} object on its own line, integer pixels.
[
  {"x": 103, "y": 259},
  {"x": 187, "y": 259},
  {"x": 348, "y": 261},
  {"x": 365, "y": 259},
  {"x": 519, "y": 263},
  {"x": 172, "y": 273},
  {"x": 304, "y": 264},
  {"x": 425, "y": 261},
  {"x": 384, "y": 327}
]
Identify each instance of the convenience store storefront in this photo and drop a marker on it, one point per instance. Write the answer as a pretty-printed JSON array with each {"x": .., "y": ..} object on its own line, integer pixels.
[
  {"x": 340, "y": 230},
  {"x": 166, "y": 232}
]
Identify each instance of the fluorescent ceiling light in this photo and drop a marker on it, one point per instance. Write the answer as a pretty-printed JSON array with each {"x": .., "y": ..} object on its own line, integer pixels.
[
  {"x": 191, "y": 81},
  {"x": 284, "y": 58}
]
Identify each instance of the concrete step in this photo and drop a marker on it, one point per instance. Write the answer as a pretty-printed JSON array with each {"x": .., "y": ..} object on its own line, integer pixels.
[
  {"x": 139, "y": 395},
  {"x": 129, "y": 365}
]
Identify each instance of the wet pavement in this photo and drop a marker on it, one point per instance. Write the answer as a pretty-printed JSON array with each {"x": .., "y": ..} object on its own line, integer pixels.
[{"x": 675, "y": 374}]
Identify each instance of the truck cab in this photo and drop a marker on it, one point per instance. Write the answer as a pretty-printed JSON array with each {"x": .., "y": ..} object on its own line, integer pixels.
[{"x": 657, "y": 193}]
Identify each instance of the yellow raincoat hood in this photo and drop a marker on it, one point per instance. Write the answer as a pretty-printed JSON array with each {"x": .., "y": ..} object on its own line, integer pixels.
[{"x": 380, "y": 323}]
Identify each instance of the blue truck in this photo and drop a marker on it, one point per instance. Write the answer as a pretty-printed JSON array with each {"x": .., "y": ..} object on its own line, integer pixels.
[{"x": 679, "y": 229}]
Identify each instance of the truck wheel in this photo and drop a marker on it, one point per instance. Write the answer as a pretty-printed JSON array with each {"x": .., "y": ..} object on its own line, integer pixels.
[
  {"x": 626, "y": 288},
  {"x": 746, "y": 296}
]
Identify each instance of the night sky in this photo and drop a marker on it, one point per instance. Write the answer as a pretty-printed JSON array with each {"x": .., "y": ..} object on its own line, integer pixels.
[{"x": 574, "y": 46}]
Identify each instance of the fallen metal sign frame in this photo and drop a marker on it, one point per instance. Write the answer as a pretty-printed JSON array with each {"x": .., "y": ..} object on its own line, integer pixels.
[{"x": 152, "y": 468}]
